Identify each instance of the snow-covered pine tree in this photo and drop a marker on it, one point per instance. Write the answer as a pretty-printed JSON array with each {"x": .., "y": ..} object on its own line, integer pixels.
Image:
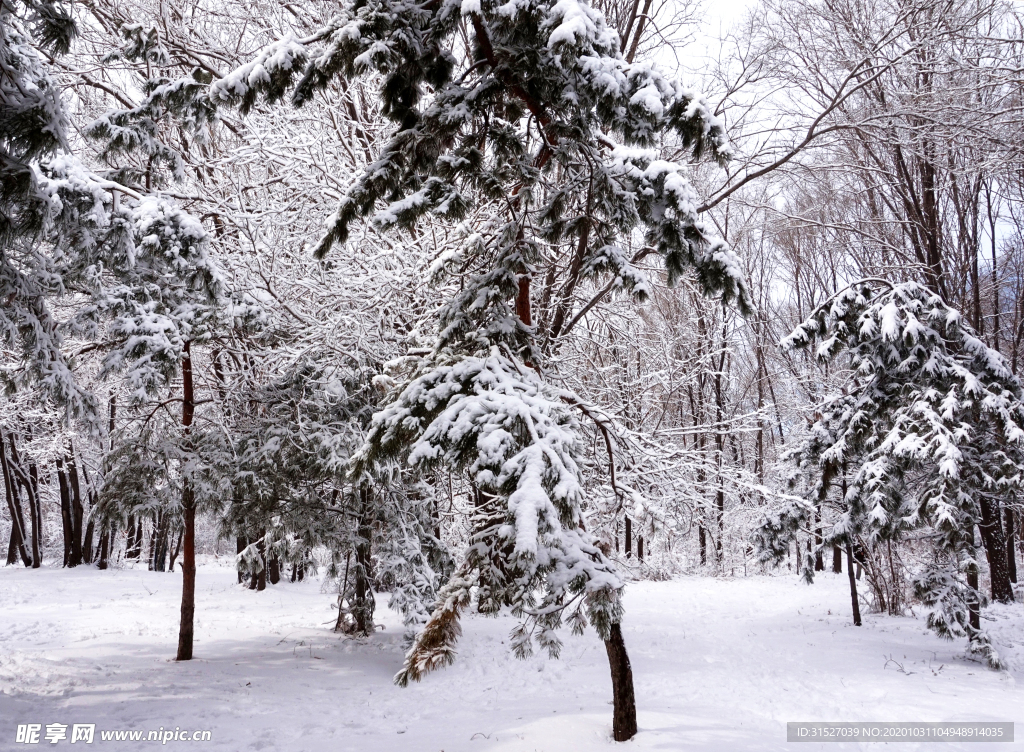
[
  {"x": 290, "y": 487},
  {"x": 139, "y": 141},
  {"x": 131, "y": 265},
  {"x": 32, "y": 130},
  {"x": 137, "y": 263},
  {"x": 32, "y": 121},
  {"x": 931, "y": 431},
  {"x": 538, "y": 121},
  {"x": 170, "y": 293}
]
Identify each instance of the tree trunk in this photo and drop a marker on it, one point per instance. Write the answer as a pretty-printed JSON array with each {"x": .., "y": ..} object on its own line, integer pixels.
[
  {"x": 819, "y": 559},
  {"x": 973, "y": 607},
  {"x": 35, "y": 511},
  {"x": 837, "y": 559},
  {"x": 154, "y": 533},
  {"x": 77, "y": 509},
  {"x": 995, "y": 550},
  {"x": 853, "y": 585},
  {"x": 624, "y": 703},
  {"x": 104, "y": 548},
  {"x": 188, "y": 509},
  {"x": 261, "y": 576},
  {"x": 629, "y": 538},
  {"x": 133, "y": 546},
  {"x": 177, "y": 549},
  {"x": 1011, "y": 542},
  {"x": 163, "y": 544},
  {"x": 65, "y": 509},
  {"x": 363, "y": 607},
  {"x": 90, "y": 532},
  {"x": 240, "y": 545},
  {"x": 37, "y": 502},
  {"x": 129, "y": 532},
  {"x": 274, "y": 570},
  {"x": 105, "y": 532},
  {"x": 17, "y": 545},
  {"x": 188, "y": 577}
]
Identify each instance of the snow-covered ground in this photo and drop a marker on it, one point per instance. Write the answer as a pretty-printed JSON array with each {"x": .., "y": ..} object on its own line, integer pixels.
[{"x": 719, "y": 664}]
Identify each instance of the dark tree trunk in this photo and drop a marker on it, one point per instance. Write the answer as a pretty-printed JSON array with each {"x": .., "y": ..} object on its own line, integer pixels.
[
  {"x": 129, "y": 540},
  {"x": 139, "y": 537},
  {"x": 819, "y": 560},
  {"x": 65, "y": 509},
  {"x": 37, "y": 502},
  {"x": 624, "y": 702},
  {"x": 188, "y": 511},
  {"x": 90, "y": 532},
  {"x": 1011, "y": 542},
  {"x": 35, "y": 511},
  {"x": 629, "y": 538},
  {"x": 853, "y": 585},
  {"x": 702, "y": 537},
  {"x": 188, "y": 577},
  {"x": 77, "y": 509},
  {"x": 17, "y": 544},
  {"x": 261, "y": 576},
  {"x": 177, "y": 549},
  {"x": 640, "y": 547},
  {"x": 133, "y": 546},
  {"x": 294, "y": 570},
  {"x": 302, "y": 571},
  {"x": 240, "y": 545},
  {"x": 995, "y": 550},
  {"x": 837, "y": 559},
  {"x": 104, "y": 554},
  {"x": 364, "y": 604},
  {"x": 973, "y": 606},
  {"x": 154, "y": 533},
  {"x": 161, "y": 542},
  {"x": 274, "y": 570},
  {"x": 720, "y": 540}
]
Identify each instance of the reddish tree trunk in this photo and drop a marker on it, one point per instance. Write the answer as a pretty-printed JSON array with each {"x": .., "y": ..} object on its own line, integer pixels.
[{"x": 188, "y": 508}]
